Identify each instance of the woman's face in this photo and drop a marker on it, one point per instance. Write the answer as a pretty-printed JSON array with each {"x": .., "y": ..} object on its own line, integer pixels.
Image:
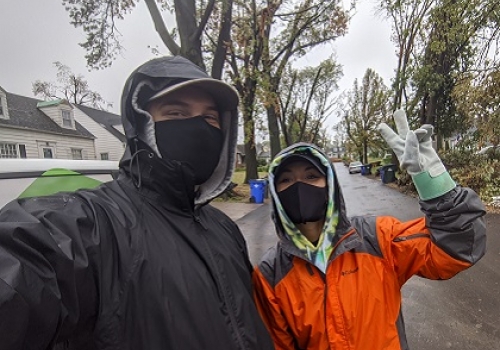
[{"x": 299, "y": 171}]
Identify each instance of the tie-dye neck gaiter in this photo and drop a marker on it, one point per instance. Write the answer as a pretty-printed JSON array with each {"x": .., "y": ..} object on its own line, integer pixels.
[{"x": 318, "y": 254}]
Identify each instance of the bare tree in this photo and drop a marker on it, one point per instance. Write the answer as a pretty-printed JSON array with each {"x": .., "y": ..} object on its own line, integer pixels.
[
  {"x": 367, "y": 108},
  {"x": 306, "y": 101},
  {"x": 298, "y": 27},
  {"x": 69, "y": 86},
  {"x": 99, "y": 18}
]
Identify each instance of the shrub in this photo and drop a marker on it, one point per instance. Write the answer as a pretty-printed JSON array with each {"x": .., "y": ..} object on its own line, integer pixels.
[
  {"x": 262, "y": 162},
  {"x": 263, "y": 169},
  {"x": 482, "y": 174}
]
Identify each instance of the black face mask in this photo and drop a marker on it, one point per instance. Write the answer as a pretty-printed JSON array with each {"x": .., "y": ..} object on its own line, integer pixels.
[
  {"x": 304, "y": 203},
  {"x": 191, "y": 141}
]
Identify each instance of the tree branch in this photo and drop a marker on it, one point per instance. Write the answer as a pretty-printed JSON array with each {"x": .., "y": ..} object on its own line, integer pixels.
[{"x": 161, "y": 29}]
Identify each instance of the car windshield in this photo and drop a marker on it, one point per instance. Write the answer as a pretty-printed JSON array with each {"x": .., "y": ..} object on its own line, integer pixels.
[{"x": 356, "y": 163}]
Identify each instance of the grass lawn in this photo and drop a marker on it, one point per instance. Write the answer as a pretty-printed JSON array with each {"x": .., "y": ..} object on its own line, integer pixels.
[{"x": 242, "y": 190}]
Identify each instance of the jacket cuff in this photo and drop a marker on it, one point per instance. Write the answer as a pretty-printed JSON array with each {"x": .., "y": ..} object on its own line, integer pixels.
[{"x": 429, "y": 187}]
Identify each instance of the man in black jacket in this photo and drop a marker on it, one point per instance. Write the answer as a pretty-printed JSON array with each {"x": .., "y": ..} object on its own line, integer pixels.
[{"x": 142, "y": 262}]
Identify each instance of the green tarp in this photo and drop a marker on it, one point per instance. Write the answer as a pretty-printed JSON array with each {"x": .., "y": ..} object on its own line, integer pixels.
[{"x": 58, "y": 180}]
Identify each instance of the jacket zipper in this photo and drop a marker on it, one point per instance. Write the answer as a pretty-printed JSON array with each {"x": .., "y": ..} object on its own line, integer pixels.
[
  {"x": 407, "y": 238},
  {"x": 323, "y": 277},
  {"x": 348, "y": 234},
  {"x": 324, "y": 303},
  {"x": 230, "y": 310}
]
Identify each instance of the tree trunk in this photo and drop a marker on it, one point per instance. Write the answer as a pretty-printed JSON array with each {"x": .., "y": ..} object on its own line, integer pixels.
[
  {"x": 365, "y": 152},
  {"x": 223, "y": 40},
  {"x": 274, "y": 132},
  {"x": 250, "y": 150},
  {"x": 189, "y": 34},
  {"x": 247, "y": 92}
]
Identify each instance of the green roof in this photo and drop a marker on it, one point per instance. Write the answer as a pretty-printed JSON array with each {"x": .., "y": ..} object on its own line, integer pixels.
[{"x": 50, "y": 103}]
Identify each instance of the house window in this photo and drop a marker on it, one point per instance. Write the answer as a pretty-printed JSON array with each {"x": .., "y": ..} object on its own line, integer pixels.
[
  {"x": 104, "y": 156},
  {"x": 12, "y": 150},
  {"x": 66, "y": 118},
  {"x": 22, "y": 151},
  {"x": 76, "y": 153},
  {"x": 48, "y": 152}
]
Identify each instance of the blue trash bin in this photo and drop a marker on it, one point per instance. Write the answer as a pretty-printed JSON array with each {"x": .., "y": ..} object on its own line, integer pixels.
[
  {"x": 366, "y": 169},
  {"x": 257, "y": 190},
  {"x": 388, "y": 173}
]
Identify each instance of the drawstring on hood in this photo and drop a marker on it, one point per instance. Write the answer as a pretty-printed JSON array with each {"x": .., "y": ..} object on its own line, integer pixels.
[
  {"x": 135, "y": 158},
  {"x": 317, "y": 254}
]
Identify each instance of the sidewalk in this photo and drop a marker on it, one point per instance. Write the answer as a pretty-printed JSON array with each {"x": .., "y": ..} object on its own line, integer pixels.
[{"x": 235, "y": 210}]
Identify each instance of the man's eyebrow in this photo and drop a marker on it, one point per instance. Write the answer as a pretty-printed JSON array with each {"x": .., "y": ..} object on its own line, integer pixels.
[{"x": 175, "y": 102}]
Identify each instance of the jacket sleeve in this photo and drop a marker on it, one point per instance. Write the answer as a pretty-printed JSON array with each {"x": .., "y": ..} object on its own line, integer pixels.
[
  {"x": 47, "y": 288},
  {"x": 451, "y": 237},
  {"x": 271, "y": 314}
]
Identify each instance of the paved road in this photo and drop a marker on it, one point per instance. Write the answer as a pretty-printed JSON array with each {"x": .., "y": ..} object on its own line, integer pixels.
[{"x": 460, "y": 314}]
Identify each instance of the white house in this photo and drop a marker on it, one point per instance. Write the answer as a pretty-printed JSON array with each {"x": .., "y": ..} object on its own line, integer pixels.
[
  {"x": 31, "y": 128},
  {"x": 106, "y": 127}
]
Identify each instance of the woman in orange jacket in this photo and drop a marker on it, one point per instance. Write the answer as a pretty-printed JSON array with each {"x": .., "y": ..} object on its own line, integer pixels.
[{"x": 335, "y": 283}]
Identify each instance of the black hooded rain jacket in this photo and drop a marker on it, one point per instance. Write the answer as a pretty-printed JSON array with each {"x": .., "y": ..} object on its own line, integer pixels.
[{"x": 141, "y": 262}]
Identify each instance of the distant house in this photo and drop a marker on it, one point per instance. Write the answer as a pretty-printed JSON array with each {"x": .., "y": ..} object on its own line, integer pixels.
[
  {"x": 240, "y": 155},
  {"x": 31, "y": 128},
  {"x": 107, "y": 128},
  {"x": 336, "y": 151},
  {"x": 261, "y": 150}
]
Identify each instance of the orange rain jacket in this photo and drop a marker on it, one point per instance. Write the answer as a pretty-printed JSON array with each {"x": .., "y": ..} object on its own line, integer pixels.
[{"x": 356, "y": 304}]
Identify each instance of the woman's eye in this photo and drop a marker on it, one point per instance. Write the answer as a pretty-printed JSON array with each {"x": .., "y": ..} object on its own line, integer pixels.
[
  {"x": 283, "y": 180},
  {"x": 312, "y": 176}
]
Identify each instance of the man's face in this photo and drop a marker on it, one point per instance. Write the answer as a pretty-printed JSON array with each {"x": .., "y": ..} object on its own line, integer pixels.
[{"x": 185, "y": 103}]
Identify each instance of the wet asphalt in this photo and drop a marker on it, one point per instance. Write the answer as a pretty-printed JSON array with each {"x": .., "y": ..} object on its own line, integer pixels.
[{"x": 462, "y": 313}]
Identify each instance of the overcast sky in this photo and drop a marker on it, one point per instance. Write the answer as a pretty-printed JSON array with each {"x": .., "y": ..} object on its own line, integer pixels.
[{"x": 35, "y": 33}]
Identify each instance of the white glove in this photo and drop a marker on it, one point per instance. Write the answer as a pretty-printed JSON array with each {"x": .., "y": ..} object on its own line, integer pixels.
[{"x": 416, "y": 154}]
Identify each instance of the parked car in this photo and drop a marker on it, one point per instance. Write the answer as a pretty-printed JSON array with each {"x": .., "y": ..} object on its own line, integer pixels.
[
  {"x": 32, "y": 177},
  {"x": 355, "y": 167}
]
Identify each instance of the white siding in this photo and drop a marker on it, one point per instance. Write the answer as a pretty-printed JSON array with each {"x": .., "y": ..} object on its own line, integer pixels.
[
  {"x": 4, "y": 111},
  {"x": 54, "y": 113},
  {"x": 105, "y": 142},
  {"x": 63, "y": 144}
]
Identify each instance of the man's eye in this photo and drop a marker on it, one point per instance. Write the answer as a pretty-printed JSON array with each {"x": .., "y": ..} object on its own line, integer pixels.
[
  {"x": 211, "y": 117},
  {"x": 212, "y": 120},
  {"x": 283, "y": 180},
  {"x": 175, "y": 113}
]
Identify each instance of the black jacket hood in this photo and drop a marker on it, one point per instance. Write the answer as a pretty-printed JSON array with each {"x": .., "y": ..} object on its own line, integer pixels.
[{"x": 138, "y": 124}]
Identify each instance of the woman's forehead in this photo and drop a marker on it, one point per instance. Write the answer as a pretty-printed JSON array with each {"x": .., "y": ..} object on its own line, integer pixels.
[{"x": 296, "y": 165}]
